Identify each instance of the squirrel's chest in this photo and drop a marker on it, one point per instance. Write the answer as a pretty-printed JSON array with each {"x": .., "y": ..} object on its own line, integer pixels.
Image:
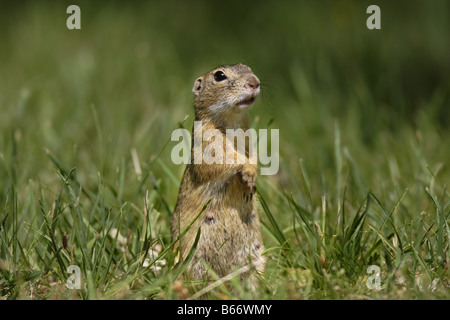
[{"x": 229, "y": 193}]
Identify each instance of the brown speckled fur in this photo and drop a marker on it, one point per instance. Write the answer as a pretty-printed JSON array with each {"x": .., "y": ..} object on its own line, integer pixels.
[{"x": 230, "y": 228}]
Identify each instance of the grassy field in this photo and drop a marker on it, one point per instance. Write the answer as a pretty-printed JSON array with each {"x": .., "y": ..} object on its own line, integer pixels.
[{"x": 86, "y": 177}]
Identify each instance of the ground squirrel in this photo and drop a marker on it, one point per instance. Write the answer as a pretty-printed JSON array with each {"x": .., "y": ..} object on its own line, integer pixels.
[{"x": 230, "y": 229}]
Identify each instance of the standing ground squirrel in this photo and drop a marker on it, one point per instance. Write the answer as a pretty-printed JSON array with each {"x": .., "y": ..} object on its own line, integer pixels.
[{"x": 230, "y": 229}]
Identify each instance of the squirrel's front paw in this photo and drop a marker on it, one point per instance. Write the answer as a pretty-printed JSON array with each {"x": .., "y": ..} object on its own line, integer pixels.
[{"x": 249, "y": 174}]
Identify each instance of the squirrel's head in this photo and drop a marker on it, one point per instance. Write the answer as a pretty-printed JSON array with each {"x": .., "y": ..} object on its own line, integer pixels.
[{"x": 225, "y": 90}]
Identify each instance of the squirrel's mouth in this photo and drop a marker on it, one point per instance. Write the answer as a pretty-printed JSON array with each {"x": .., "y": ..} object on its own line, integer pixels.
[{"x": 247, "y": 102}]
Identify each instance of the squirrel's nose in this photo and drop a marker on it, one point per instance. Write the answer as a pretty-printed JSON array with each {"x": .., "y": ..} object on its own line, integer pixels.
[{"x": 252, "y": 82}]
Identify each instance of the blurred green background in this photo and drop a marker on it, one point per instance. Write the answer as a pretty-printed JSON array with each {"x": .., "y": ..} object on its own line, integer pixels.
[
  {"x": 133, "y": 65},
  {"x": 364, "y": 109}
]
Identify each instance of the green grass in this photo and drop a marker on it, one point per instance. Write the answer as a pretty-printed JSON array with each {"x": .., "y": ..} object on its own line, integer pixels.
[{"x": 86, "y": 117}]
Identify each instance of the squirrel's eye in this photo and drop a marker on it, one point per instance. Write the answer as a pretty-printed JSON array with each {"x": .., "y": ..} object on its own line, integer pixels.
[{"x": 219, "y": 76}]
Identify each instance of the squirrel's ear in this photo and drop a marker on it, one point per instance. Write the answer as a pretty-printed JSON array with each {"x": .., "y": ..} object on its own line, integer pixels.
[{"x": 197, "y": 86}]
